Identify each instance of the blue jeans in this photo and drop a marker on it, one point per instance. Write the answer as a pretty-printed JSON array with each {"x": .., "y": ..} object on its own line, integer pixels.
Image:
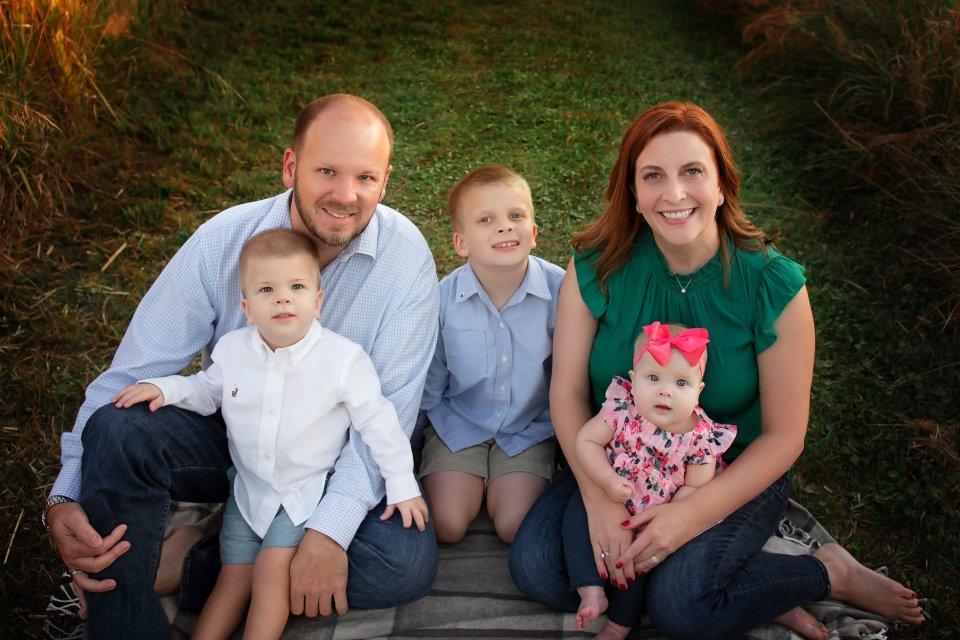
[
  {"x": 135, "y": 462},
  {"x": 717, "y": 585}
]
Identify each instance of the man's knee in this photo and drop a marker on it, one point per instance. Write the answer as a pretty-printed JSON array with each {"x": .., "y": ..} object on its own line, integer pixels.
[
  {"x": 111, "y": 431},
  {"x": 397, "y": 566}
]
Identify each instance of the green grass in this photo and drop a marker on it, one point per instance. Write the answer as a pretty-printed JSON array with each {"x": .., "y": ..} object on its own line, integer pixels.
[{"x": 547, "y": 88}]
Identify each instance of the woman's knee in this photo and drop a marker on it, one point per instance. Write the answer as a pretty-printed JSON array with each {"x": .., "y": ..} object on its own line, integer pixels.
[{"x": 678, "y": 609}]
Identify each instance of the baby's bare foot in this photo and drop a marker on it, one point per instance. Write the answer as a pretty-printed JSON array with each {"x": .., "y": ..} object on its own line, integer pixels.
[
  {"x": 172, "y": 556},
  {"x": 852, "y": 582},
  {"x": 593, "y": 602},
  {"x": 612, "y": 631},
  {"x": 803, "y": 622}
]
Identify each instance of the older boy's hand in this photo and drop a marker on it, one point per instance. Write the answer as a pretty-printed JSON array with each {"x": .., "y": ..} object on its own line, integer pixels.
[
  {"x": 412, "y": 510},
  {"x": 318, "y": 576},
  {"x": 140, "y": 392}
]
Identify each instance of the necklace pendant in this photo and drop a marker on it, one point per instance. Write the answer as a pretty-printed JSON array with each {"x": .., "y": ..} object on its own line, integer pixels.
[{"x": 683, "y": 289}]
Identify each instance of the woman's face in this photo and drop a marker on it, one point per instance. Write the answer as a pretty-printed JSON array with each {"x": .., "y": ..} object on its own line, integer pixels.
[{"x": 678, "y": 190}]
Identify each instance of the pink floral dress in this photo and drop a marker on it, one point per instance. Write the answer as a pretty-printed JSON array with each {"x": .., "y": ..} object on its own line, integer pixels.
[{"x": 654, "y": 459}]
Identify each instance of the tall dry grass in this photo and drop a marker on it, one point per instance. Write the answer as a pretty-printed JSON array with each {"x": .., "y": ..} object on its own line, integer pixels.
[
  {"x": 51, "y": 53},
  {"x": 873, "y": 90}
]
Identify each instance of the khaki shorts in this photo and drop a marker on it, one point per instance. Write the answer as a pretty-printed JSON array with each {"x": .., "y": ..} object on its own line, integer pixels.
[{"x": 486, "y": 459}]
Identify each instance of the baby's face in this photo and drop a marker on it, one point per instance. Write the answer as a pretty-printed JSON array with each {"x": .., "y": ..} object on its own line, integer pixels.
[
  {"x": 282, "y": 296},
  {"x": 496, "y": 227},
  {"x": 667, "y": 395}
]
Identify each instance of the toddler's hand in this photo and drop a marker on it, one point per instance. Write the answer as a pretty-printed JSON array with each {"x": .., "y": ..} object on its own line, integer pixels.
[
  {"x": 140, "y": 392},
  {"x": 618, "y": 488},
  {"x": 412, "y": 510}
]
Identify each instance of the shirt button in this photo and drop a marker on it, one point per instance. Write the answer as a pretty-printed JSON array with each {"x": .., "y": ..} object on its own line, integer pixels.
[
  {"x": 503, "y": 389},
  {"x": 501, "y": 325},
  {"x": 499, "y": 413},
  {"x": 273, "y": 411},
  {"x": 266, "y": 456},
  {"x": 503, "y": 358}
]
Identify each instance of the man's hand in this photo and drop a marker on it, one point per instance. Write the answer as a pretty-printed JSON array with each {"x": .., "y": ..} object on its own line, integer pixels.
[
  {"x": 81, "y": 547},
  {"x": 412, "y": 511},
  {"x": 140, "y": 392},
  {"x": 318, "y": 577}
]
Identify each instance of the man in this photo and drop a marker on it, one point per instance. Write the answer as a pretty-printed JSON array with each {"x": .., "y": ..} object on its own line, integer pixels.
[{"x": 121, "y": 467}]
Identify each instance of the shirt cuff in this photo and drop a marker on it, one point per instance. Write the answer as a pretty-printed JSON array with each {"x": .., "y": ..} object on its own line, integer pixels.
[
  {"x": 172, "y": 392},
  {"x": 338, "y": 517},
  {"x": 402, "y": 488},
  {"x": 68, "y": 482}
]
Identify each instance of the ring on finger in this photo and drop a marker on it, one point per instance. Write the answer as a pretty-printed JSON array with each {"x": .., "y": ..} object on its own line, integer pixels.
[
  {"x": 74, "y": 572},
  {"x": 654, "y": 559},
  {"x": 604, "y": 554}
]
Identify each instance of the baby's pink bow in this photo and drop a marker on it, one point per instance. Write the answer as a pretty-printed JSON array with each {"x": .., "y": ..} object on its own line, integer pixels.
[{"x": 691, "y": 343}]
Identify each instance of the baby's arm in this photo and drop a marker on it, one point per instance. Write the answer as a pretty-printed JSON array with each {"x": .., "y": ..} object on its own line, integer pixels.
[
  {"x": 695, "y": 476},
  {"x": 591, "y": 440}
]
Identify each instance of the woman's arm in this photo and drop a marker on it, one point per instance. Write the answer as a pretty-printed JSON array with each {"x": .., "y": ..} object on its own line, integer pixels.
[
  {"x": 570, "y": 410},
  {"x": 694, "y": 477},
  {"x": 786, "y": 375}
]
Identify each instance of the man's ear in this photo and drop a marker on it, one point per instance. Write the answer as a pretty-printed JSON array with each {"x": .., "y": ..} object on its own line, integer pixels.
[
  {"x": 386, "y": 178},
  {"x": 289, "y": 170},
  {"x": 459, "y": 245},
  {"x": 246, "y": 310},
  {"x": 533, "y": 238}
]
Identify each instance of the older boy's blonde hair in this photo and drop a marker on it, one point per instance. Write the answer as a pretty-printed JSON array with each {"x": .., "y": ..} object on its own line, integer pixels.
[
  {"x": 277, "y": 243},
  {"x": 482, "y": 176}
]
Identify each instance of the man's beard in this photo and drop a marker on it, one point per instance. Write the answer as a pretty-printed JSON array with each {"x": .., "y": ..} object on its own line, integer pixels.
[{"x": 308, "y": 222}]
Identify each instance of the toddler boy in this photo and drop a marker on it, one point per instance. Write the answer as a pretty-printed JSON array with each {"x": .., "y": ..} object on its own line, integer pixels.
[{"x": 288, "y": 390}]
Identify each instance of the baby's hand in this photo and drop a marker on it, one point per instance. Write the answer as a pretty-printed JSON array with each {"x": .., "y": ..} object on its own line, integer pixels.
[
  {"x": 618, "y": 488},
  {"x": 412, "y": 510},
  {"x": 140, "y": 392}
]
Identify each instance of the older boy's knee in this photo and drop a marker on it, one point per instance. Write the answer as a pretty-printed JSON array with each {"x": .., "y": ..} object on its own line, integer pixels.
[
  {"x": 507, "y": 526},
  {"x": 450, "y": 528}
]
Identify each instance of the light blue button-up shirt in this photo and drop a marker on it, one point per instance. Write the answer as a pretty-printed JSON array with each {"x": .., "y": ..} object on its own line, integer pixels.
[
  {"x": 490, "y": 374},
  {"x": 380, "y": 292}
]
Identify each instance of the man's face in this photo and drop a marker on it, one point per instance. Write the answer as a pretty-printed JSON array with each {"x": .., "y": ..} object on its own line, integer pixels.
[{"x": 338, "y": 176}]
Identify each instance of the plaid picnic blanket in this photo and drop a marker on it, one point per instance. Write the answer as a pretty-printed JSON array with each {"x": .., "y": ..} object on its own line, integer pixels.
[{"x": 474, "y": 597}]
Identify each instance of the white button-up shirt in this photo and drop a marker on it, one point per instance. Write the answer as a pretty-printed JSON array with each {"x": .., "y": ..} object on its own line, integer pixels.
[{"x": 288, "y": 414}]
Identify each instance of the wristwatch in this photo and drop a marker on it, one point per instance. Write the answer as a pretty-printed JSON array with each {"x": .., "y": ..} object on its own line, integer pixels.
[{"x": 51, "y": 501}]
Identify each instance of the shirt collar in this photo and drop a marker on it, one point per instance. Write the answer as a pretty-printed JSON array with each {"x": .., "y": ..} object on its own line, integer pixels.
[
  {"x": 534, "y": 283},
  {"x": 297, "y": 351},
  {"x": 279, "y": 215}
]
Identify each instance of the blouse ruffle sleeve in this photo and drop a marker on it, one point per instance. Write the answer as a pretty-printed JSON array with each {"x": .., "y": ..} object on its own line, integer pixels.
[
  {"x": 593, "y": 297},
  {"x": 618, "y": 406},
  {"x": 709, "y": 443},
  {"x": 780, "y": 281}
]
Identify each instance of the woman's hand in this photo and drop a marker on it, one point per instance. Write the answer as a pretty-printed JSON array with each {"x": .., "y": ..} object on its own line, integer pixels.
[
  {"x": 665, "y": 528},
  {"x": 609, "y": 538}
]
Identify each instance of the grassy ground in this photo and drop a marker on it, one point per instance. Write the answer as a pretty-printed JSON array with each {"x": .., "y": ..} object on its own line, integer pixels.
[{"x": 547, "y": 88}]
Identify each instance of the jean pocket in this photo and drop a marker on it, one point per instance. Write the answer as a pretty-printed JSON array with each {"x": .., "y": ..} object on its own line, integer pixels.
[{"x": 466, "y": 352}]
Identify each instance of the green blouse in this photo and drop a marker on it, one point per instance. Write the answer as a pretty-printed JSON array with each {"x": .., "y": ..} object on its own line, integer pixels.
[{"x": 739, "y": 317}]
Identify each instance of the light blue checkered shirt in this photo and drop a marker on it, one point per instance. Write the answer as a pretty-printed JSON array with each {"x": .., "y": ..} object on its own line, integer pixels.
[
  {"x": 380, "y": 292},
  {"x": 490, "y": 374}
]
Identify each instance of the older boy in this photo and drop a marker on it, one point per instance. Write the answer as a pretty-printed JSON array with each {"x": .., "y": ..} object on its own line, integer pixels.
[{"x": 487, "y": 388}]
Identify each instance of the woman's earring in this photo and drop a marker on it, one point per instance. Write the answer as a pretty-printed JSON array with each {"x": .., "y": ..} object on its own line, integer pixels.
[
  {"x": 637, "y": 207},
  {"x": 719, "y": 204}
]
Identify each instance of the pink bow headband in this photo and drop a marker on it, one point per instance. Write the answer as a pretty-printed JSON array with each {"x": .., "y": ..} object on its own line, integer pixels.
[{"x": 691, "y": 343}]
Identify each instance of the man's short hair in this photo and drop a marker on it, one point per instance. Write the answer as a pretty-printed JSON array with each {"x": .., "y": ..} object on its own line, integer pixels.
[
  {"x": 355, "y": 103},
  {"x": 277, "y": 243},
  {"x": 482, "y": 176}
]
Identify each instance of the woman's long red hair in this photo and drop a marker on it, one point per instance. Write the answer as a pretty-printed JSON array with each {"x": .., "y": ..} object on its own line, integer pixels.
[{"x": 616, "y": 231}]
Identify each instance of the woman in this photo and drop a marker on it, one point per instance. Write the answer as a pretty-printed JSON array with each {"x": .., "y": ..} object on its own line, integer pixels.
[{"x": 674, "y": 245}]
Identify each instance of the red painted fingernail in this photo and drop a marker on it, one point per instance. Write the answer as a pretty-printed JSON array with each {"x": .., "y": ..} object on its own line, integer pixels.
[
  {"x": 624, "y": 523},
  {"x": 629, "y": 580},
  {"x": 623, "y": 586},
  {"x": 619, "y": 565},
  {"x": 603, "y": 574}
]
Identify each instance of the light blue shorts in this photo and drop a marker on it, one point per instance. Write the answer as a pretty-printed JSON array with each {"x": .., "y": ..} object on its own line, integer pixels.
[{"x": 239, "y": 544}]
